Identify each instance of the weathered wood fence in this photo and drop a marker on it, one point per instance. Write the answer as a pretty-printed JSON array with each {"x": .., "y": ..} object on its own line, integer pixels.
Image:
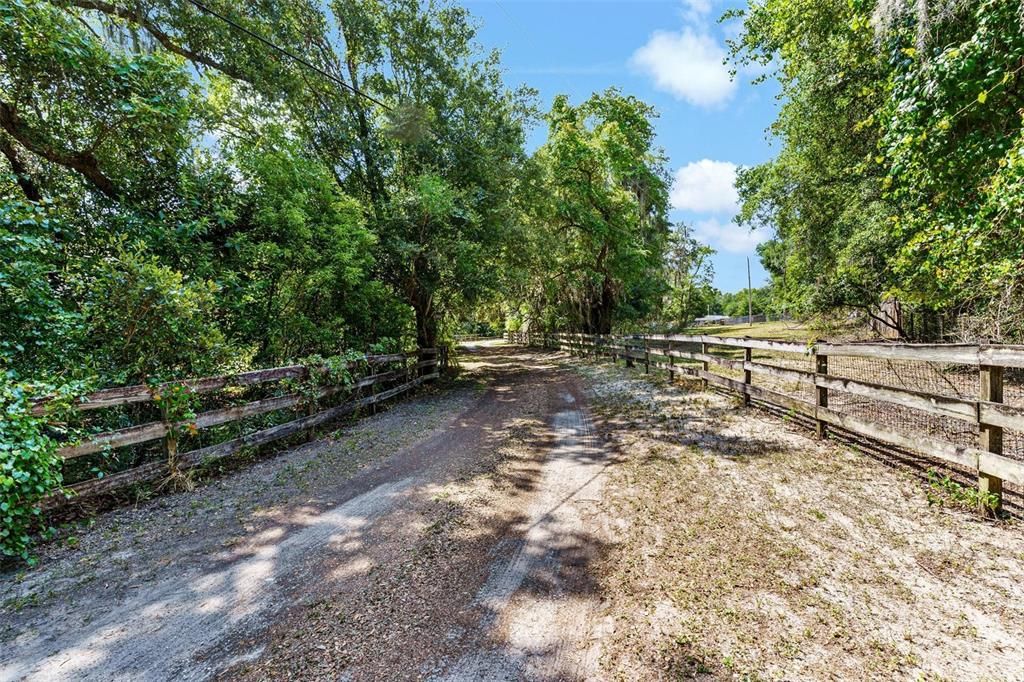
[
  {"x": 913, "y": 396},
  {"x": 468, "y": 338},
  {"x": 368, "y": 380}
]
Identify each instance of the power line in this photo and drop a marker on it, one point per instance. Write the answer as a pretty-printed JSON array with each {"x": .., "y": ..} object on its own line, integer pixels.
[
  {"x": 309, "y": 65},
  {"x": 203, "y": 8}
]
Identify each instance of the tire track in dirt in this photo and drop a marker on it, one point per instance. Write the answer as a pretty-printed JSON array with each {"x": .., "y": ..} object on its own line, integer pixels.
[
  {"x": 538, "y": 609},
  {"x": 163, "y": 626},
  {"x": 237, "y": 610}
]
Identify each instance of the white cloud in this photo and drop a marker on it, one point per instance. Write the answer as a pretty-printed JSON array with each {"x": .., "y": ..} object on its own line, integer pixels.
[
  {"x": 729, "y": 236},
  {"x": 689, "y": 65},
  {"x": 706, "y": 186},
  {"x": 696, "y": 10}
]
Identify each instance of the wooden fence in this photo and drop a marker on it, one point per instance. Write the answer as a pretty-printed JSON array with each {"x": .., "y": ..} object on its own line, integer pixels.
[
  {"x": 893, "y": 401},
  {"x": 469, "y": 338},
  {"x": 318, "y": 402}
]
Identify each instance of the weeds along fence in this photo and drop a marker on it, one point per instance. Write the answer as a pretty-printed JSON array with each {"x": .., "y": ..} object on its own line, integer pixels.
[
  {"x": 960, "y": 404},
  {"x": 149, "y": 432}
]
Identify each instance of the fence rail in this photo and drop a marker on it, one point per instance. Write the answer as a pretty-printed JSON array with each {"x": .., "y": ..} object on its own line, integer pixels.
[
  {"x": 394, "y": 373},
  {"x": 960, "y": 404},
  {"x": 468, "y": 338}
]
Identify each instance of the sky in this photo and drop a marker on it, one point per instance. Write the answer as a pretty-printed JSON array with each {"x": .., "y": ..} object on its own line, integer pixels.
[{"x": 668, "y": 53}]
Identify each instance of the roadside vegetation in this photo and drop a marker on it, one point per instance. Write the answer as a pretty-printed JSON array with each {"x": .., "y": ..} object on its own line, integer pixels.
[
  {"x": 193, "y": 188},
  {"x": 900, "y": 167}
]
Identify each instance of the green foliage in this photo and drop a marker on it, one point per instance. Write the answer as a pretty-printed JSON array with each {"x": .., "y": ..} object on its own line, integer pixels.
[
  {"x": 29, "y": 467},
  {"x": 900, "y": 167},
  {"x": 592, "y": 255},
  {"x": 117, "y": 118},
  {"x": 146, "y": 320},
  {"x": 689, "y": 272},
  {"x": 177, "y": 405},
  {"x": 304, "y": 257},
  {"x": 824, "y": 200},
  {"x": 953, "y": 142},
  {"x": 945, "y": 490},
  {"x": 735, "y": 304},
  {"x": 36, "y": 326}
]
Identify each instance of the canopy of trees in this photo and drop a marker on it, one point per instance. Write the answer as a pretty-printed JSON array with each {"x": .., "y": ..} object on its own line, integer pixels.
[
  {"x": 902, "y": 144},
  {"x": 190, "y": 187},
  {"x": 595, "y": 219},
  {"x": 193, "y": 187}
]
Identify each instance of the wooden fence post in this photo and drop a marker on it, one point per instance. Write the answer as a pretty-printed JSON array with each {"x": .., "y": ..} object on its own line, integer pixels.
[
  {"x": 748, "y": 356},
  {"x": 821, "y": 394},
  {"x": 170, "y": 440},
  {"x": 310, "y": 411},
  {"x": 991, "y": 437},
  {"x": 647, "y": 355},
  {"x": 704, "y": 366},
  {"x": 171, "y": 447},
  {"x": 671, "y": 362}
]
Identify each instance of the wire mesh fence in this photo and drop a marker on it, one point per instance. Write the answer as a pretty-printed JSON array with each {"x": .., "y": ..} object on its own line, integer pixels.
[
  {"x": 929, "y": 392},
  {"x": 951, "y": 380},
  {"x": 942, "y": 379}
]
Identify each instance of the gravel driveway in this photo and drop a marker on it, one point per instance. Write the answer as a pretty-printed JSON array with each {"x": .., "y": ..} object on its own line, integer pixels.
[
  {"x": 441, "y": 538},
  {"x": 541, "y": 518}
]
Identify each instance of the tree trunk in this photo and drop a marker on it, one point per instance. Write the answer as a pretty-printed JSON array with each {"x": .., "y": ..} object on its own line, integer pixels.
[
  {"x": 83, "y": 162},
  {"x": 599, "y": 321},
  {"x": 20, "y": 170},
  {"x": 426, "y": 324}
]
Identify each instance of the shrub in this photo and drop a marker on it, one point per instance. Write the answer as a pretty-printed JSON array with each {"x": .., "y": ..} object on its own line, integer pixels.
[
  {"x": 35, "y": 324},
  {"x": 147, "y": 320},
  {"x": 29, "y": 468}
]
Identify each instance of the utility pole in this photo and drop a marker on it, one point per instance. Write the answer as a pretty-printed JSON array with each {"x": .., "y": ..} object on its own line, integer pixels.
[{"x": 750, "y": 298}]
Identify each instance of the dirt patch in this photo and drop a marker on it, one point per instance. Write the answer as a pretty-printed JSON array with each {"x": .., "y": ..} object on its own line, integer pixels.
[
  {"x": 372, "y": 554},
  {"x": 746, "y": 549},
  {"x": 496, "y": 569}
]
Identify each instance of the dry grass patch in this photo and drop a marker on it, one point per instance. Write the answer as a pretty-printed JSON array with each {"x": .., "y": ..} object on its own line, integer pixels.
[{"x": 747, "y": 550}]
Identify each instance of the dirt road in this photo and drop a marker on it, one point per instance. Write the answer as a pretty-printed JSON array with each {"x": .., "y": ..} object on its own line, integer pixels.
[
  {"x": 544, "y": 518},
  {"x": 447, "y": 538}
]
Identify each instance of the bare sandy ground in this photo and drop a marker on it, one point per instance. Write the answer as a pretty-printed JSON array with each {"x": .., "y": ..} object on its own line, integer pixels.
[
  {"x": 425, "y": 532},
  {"x": 542, "y": 519},
  {"x": 744, "y": 549}
]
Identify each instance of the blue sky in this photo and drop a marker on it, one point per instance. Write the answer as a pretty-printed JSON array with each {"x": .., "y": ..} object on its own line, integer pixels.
[{"x": 668, "y": 53}]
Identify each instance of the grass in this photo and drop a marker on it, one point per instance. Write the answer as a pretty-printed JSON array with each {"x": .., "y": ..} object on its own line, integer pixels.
[
  {"x": 804, "y": 332},
  {"x": 785, "y": 331}
]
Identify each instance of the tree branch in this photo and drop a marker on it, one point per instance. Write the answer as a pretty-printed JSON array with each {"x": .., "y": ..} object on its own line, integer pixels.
[
  {"x": 162, "y": 37},
  {"x": 21, "y": 174},
  {"x": 83, "y": 162}
]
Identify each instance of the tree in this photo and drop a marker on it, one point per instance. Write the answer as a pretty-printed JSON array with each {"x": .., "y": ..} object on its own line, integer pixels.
[
  {"x": 953, "y": 144},
  {"x": 689, "y": 272},
  {"x": 900, "y": 168},
  {"x": 823, "y": 194},
  {"x": 600, "y": 226},
  {"x": 326, "y": 210}
]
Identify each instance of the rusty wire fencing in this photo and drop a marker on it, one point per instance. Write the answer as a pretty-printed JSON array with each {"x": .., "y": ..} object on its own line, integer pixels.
[{"x": 959, "y": 405}]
